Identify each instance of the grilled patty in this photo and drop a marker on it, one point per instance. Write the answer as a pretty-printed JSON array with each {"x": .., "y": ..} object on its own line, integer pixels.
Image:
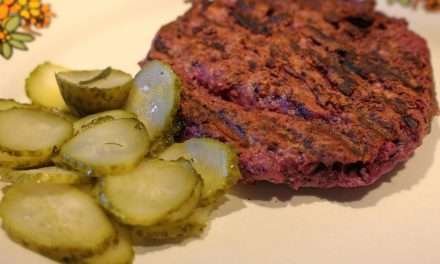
[{"x": 312, "y": 93}]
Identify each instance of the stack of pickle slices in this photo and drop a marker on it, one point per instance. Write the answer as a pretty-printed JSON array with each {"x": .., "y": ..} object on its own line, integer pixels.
[{"x": 92, "y": 166}]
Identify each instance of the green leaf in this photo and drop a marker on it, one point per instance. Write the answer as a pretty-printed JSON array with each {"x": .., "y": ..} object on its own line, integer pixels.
[
  {"x": 17, "y": 44},
  {"x": 7, "y": 50},
  {"x": 12, "y": 24},
  {"x": 23, "y": 37}
]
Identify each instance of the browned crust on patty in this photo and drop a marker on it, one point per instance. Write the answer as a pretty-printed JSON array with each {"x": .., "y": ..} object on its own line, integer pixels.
[{"x": 311, "y": 93}]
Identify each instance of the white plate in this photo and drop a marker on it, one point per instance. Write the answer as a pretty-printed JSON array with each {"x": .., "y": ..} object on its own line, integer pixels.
[{"x": 396, "y": 221}]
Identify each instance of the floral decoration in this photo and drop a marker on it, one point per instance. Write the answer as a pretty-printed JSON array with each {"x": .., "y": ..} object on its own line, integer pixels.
[
  {"x": 431, "y": 5},
  {"x": 20, "y": 21}
]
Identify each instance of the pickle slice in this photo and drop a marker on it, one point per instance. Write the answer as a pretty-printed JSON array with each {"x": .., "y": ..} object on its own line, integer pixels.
[
  {"x": 120, "y": 253},
  {"x": 216, "y": 162},
  {"x": 106, "y": 148},
  {"x": 161, "y": 144},
  {"x": 56, "y": 220},
  {"x": 42, "y": 87},
  {"x": 32, "y": 132},
  {"x": 114, "y": 114},
  {"x": 88, "y": 188},
  {"x": 187, "y": 208},
  {"x": 43, "y": 175},
  {"x": 5, "y": 189},
  {"x": 170, "y": 232},
  {"x": 90, "y": 92},
  {"x": 6, "y": 104},
  {"x": 148, "y": 194},
  {"x": 155, "y": 98},
  {"x": 22, "y": 162}
]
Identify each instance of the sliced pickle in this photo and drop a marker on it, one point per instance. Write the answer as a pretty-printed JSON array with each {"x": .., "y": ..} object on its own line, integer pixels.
[
  {"x": 66, "y": 115},
  {"x": 90, "y": 92},
  {"x": 43, "y": 175},
  {"x": 190, "y": 227},
  {"x": 32, "y": 132},
  {"x": 6, "y": 104},
  {"x": 119, "y": 253},
  {"x": 22, "y": 162},
  {"x": 175, "y": 152},
  {"x": 150, "y": 193},
  {"x": 56, "y": 220},
  {"x": 106, "y": 148},
  {"x": 167, "y": 139},
  {"x": 88, "y": 188},
  {"x": 155, "y": 98},
  {"x": 187, "y": 208},
  {"x": 161, "y": 144},
  {"x": 42, "y": 87},
  {"x": 216, "y": 162},
  {"x": 114, "y": 114},
  {"x": 5, "y": 189}
]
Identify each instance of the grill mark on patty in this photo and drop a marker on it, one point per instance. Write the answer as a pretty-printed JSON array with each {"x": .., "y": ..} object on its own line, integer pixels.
[
  {"x": 348, "y": 83},
  {"x": 374, "y": 125},
  {"x": 300, "y": 109},
  {"x": 323, "y": 65},
  {"x": 410, "y": 122},
  {"x": 238, "y": 129},
  {"x": 271, "y": 63},
  {"x": 373, "y": 64},
  {"x": 358, "y": 129},
  {"x": 363, "y": 65},
  {"x": 317, "y": 129},
  {"x": 347, "y": 141},
  {"x": 321, "y": 126},
  {"x": 244, "y": 18},
  {"x": 346, "y": 87},
  {"x": 221, "y": 115},
  {"x": 304, "y": 141},
  {"x": 235, "y": 127},
  {"x": 223, "y": 121}
]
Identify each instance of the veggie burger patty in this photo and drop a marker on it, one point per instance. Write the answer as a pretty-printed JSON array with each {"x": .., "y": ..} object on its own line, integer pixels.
[{"x": 311, "y": 93}]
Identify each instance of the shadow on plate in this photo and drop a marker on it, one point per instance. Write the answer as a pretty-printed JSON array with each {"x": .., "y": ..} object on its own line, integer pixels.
[
  {"x": 402, "y": 179},
  {"x": 227, "y": 206}
]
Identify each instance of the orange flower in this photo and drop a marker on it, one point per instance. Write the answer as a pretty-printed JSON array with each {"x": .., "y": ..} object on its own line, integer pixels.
[
  {"x": 45, "y": 18},
  {"x": 4, "y": 11},
  {"x": 24, "y": 15},
  {"x": 5, "y": 8},
  {"x": 33, "y": 12},
  {"x": 2, "y": 36}
]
